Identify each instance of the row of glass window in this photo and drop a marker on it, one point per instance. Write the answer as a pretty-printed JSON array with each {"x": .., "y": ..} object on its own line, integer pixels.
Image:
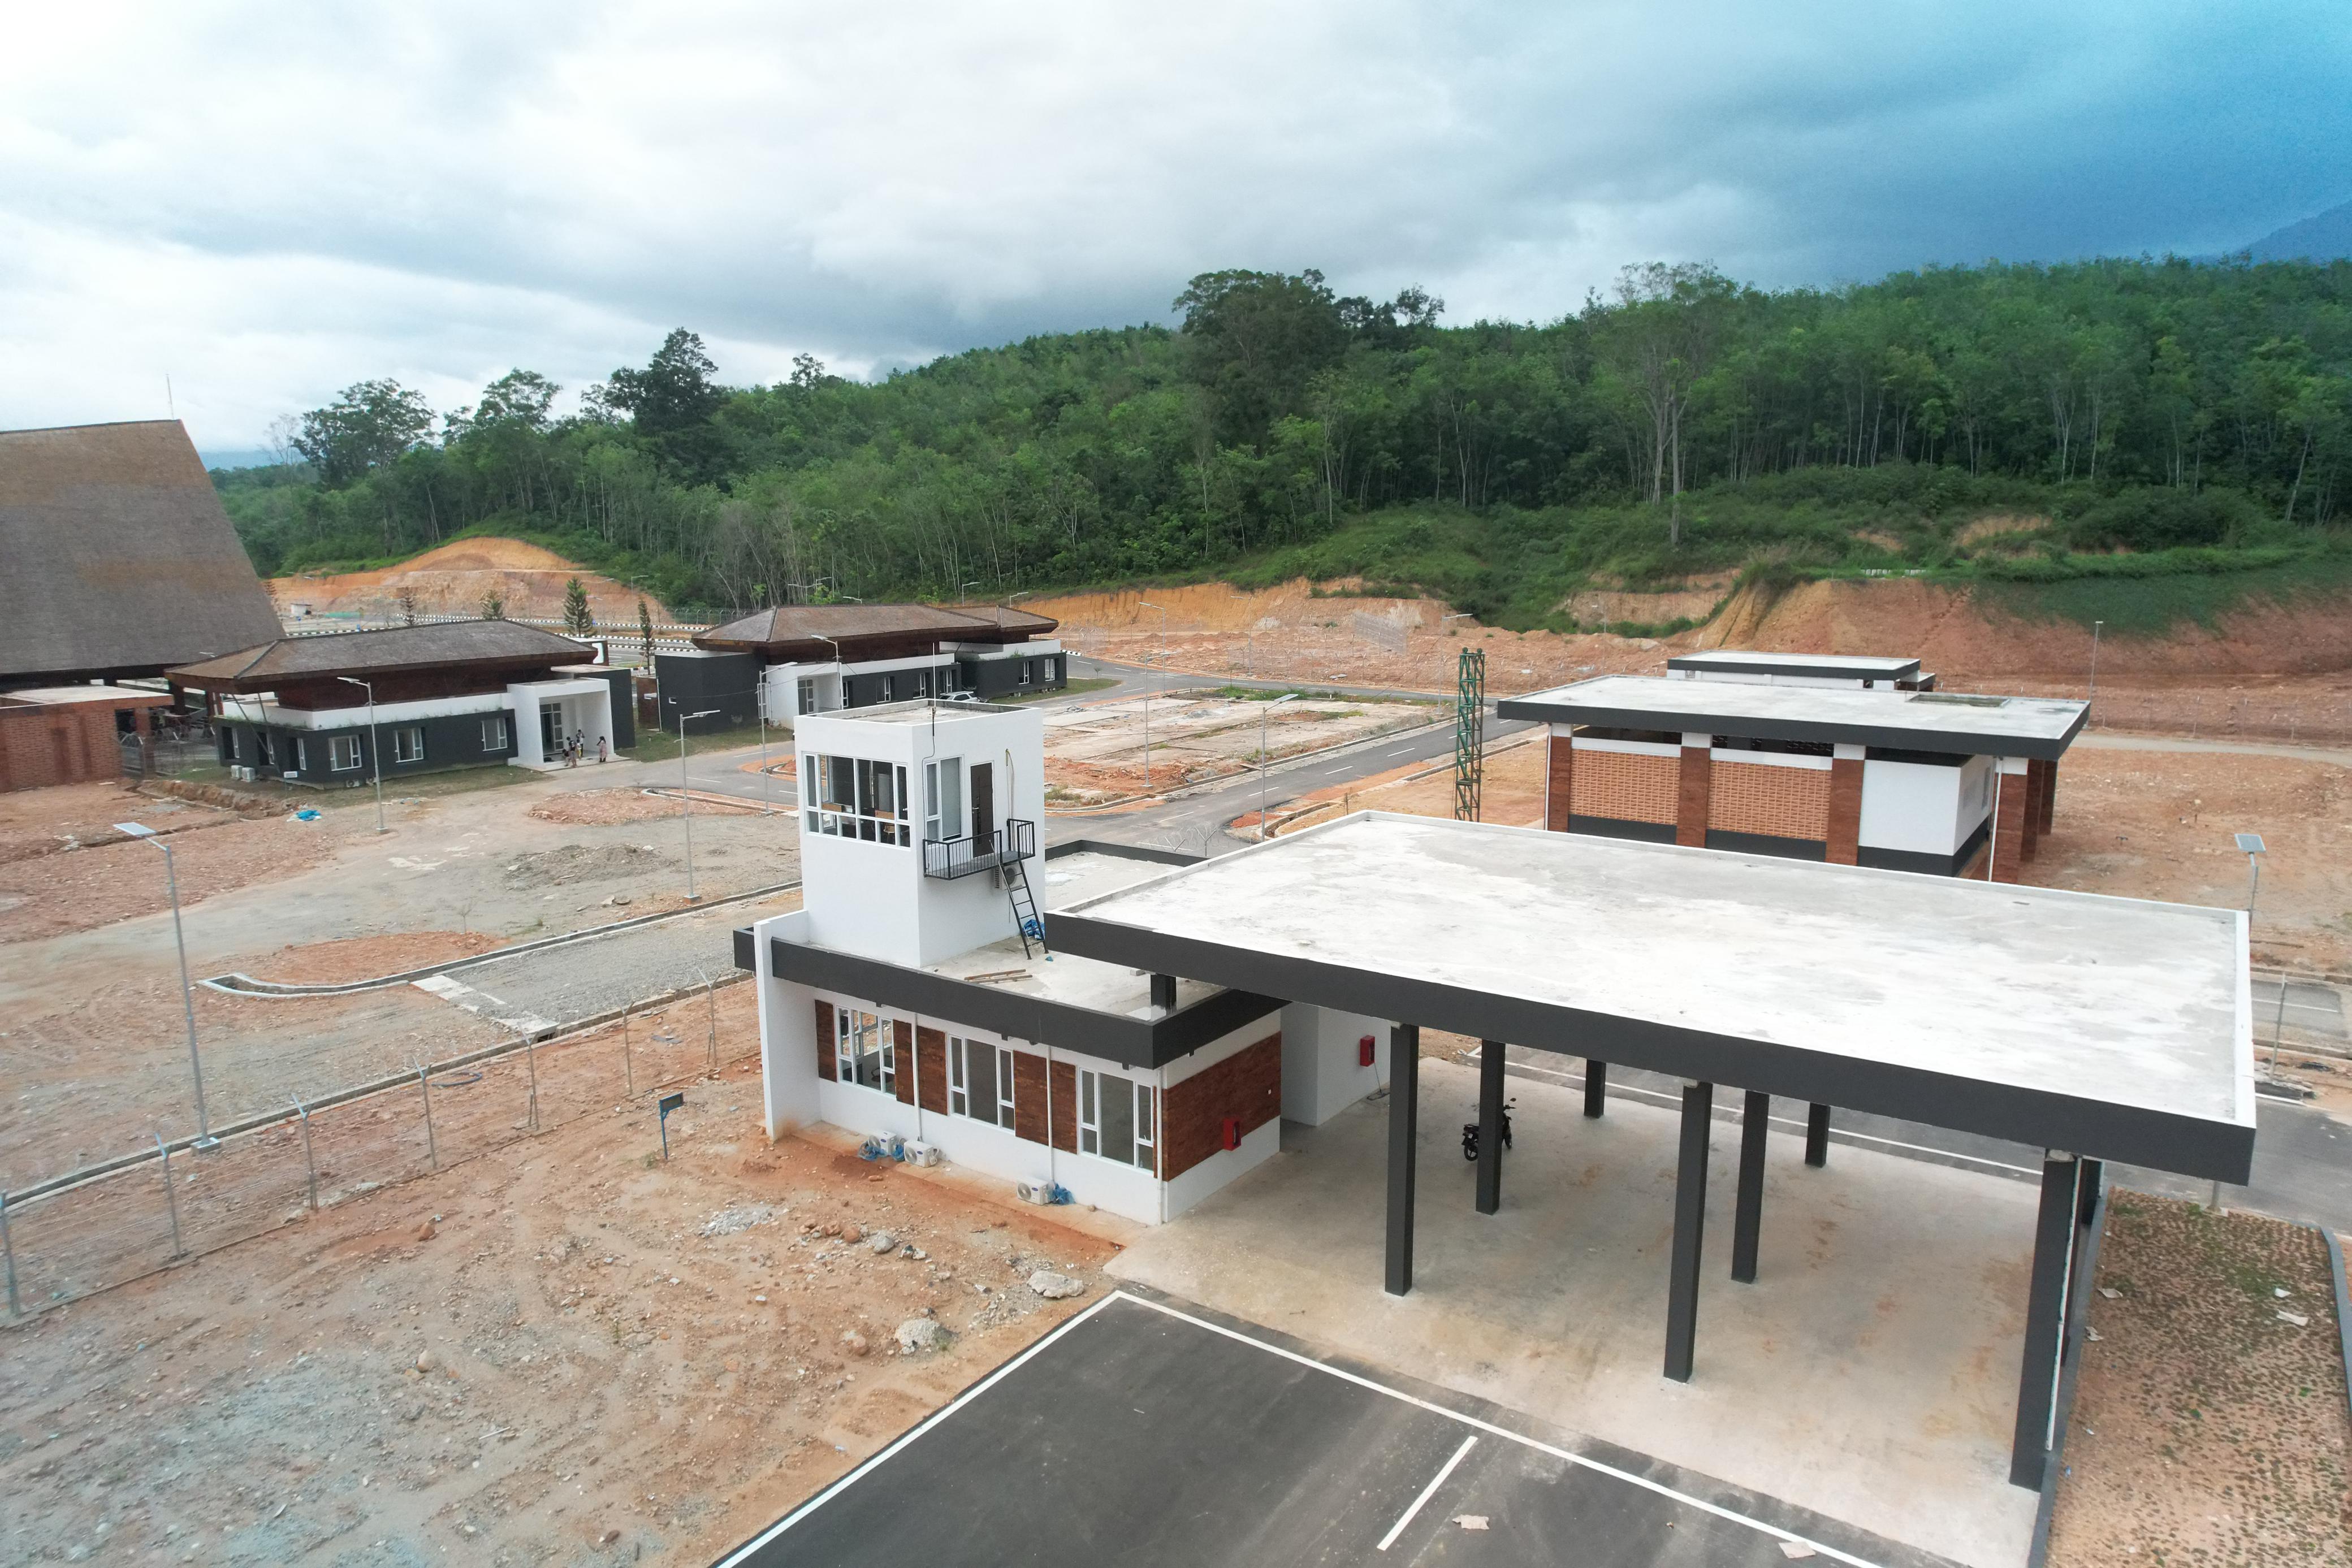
[
  {"x": 343, "y": 751},
  {"x": 1117, "y": 1118},
  {"x": 853, "y": 798}
]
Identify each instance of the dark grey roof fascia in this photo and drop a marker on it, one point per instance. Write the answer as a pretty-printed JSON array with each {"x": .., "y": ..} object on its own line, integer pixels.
[
  {"x": 1114, "y": 1036},
  {"x": 2040, "y": 1118},
  {"x": 2043, "y": 749},
  {"x": 1122, "y": 852},
  {"x": 1889, "y": 669}
]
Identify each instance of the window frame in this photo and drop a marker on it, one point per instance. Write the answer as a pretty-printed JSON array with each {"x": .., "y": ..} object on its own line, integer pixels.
[
  {"x": 849, "y": 793},
  {"x": 1142, "y": 1107},
  {"x": 301, "y": 754},
  {"x": 505, "y": 740},
  {"x": 402, "y": 735},
  {"x": 849, "y": 1026},
  {"x": 335, "y": 745}
]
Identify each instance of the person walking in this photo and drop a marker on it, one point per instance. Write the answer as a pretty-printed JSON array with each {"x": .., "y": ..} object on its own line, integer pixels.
[{"x": 601, "y": 757}]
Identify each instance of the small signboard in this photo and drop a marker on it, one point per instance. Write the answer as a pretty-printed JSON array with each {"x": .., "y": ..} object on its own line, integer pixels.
[{"x": 669, "y": 1102}]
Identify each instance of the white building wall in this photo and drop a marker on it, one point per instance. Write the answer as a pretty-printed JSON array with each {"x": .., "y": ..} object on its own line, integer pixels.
[
  {"x": 788, "y": 1078},
  {"x": 1322, "y": 1073},
  {"x": 1912, "y": 806}
]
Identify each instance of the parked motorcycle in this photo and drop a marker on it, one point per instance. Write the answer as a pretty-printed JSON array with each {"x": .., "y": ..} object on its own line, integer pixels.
[{"x": 1470, "y": 1134}]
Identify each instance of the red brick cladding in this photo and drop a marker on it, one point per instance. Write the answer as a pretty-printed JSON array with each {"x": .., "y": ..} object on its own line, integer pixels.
[
  {"x": 1029, "y": 1097},
  {"x": 2009, "y": 828},
  {"x": 44, "y": 745},
  {"x": 1762, "y": 798},
  {"x": 903, "y": 1058},
  {"x": 1845, "y": 811},
  {"x": 1064, "y": 1079},
  {"x": 1247, "y": 1084},
  {"x": 931, "y": 1070},
  {"x": 1694, "y": 789},
  {"x": 824, "y": 1040},
  {"x": 1621, "y": 785},
  {"x": 1559, "y": 787}
]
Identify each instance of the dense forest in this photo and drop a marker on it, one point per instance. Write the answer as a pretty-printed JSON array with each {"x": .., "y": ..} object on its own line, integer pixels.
[{"x": 2163, "y": 416}]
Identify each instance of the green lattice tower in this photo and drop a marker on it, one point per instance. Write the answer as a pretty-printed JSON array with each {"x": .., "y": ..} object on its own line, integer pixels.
[{"x": 1469, "y": 733}]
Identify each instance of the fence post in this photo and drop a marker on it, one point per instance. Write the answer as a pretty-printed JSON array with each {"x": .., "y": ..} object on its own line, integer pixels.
[
  {"x": 531, "y": 1059},
  {"x": 628, "y": 1073},
  {"x": 432, "y": 1147},
  {"x": 710, "y": 992},
  {"x": 310, "y": 1167},
  {"x": 8, "y": 1246},
  {"x": 171, "y": 1199}
]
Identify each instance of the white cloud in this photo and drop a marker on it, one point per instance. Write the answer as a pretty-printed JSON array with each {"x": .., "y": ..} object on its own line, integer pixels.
[{"x": 270, "y": 202}]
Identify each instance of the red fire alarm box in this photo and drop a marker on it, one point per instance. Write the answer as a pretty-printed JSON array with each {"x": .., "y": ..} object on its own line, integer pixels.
[
  {"x": 1364, "y": 1051},
  {"x": 1233, "y": 1132}
]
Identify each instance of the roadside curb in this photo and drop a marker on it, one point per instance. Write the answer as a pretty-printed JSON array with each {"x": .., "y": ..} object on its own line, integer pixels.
[
  {"x": 2343, "y": 1304},
  {"x": 243, "y": 985}
]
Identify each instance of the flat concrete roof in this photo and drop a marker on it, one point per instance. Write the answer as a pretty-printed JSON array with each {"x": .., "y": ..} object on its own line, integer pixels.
[
  {"x": 914, "y": 710},
  {"x": 1917, "y": 721},
  {"x": 1855, "y": 666},
  {"x": 114, "y": 697},
  {"x": 1066, "y": 978},
  {"x": 2115, "y": 1028}
]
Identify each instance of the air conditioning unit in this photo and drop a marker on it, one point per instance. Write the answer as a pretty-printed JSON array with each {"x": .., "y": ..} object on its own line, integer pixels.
[
  {"x": 1034, "y": 1191},
  {"x": 920, "y": 1154}
]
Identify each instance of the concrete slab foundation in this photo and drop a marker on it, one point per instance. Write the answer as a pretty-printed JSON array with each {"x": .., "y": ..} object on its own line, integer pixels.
[{"x": 1869, "y": 1373}]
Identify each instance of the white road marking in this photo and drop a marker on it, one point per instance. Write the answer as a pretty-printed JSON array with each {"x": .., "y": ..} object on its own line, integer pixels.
[
  {"x": 1436, "y": 1481},
  {"x": 1490, "y": 1429},
  {"x": 479, "y": 1003}
]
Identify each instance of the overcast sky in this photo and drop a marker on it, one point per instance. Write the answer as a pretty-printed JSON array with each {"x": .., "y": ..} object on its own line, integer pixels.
[{"x": 268, "y": 203}]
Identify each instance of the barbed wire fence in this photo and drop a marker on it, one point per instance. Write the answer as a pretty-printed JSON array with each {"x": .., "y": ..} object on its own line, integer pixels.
[{"x": 90, "y": 1230}]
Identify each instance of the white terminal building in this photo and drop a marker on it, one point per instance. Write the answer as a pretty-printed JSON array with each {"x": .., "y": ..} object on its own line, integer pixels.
[{"x": 913, "y": 997}]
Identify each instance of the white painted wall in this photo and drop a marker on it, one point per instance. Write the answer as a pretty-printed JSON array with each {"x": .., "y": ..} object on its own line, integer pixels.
[
  {"x": 264, "y": 709},
  {"x": 872, "y": 898},
  {"x": 788, "y": 1078},
  {"x": 1911, "y": 806},
  {"x": 583, "y": 705},
  {"x": 1320, "y": 1055},
  {"x": 1720, "y": 757},
  {"x": 1629, "y": 747}
]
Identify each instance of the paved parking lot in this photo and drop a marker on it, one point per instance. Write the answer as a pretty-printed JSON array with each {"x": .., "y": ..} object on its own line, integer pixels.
[{"x": 1145, "y": 1432}]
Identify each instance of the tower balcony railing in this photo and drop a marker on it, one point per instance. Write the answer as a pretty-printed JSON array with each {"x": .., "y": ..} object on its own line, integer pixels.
[{"x": 974, "y": 852}]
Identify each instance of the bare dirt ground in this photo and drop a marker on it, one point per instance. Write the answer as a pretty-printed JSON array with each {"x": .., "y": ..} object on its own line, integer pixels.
[
  {"x": 2269, "y": 672},
  {"x": 1512, "y": 792},
  {"x": 2210, "y": 1426},
  {"x": 605, "y": 808},
  {"x": 1094, "y": 751},
  {"x": 35, "y": 822},
  {"x": 563, "y": 1351},
  {"x": 451, "y": 580},
  {"x": 92, "y": 1040}
]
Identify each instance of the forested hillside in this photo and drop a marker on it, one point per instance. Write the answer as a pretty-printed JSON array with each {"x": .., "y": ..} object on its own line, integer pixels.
[{"x": 2165, "y": 416}]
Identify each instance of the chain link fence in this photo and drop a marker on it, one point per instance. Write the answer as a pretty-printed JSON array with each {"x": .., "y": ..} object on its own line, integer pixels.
[{"x": 88, "y": 1231}]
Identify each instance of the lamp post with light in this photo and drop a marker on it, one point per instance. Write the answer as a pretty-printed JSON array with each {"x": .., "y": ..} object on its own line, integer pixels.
[
  {"x": 204, "y": 1139},
  {"x": 1262, "y": 760},
  {"x": 685, "y": 797},
  {"x": 375, "y": 752},
  {"x": 1162, "y": 654}
]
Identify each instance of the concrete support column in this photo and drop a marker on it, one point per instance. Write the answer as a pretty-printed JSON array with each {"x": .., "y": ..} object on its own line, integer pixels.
[
  {"x": 2006, "y": 849},
  {"x": 1490, "y": 1125},
  {"x": 2045, "y": 1318},
  {"x": 2049, "y": 792},
  {"x": 1690, "y": 1224},
  {"x": 1748, "y": 1214},
  {"x": 1404, "y": 1116},
  {"x": 1817, "y": 1135},
  {"x": 1163, "y": 992},
  {"x": 1596, "y": 1088},
  {"x": 1845, "y": 806},
  {"x": 1559, "y": 779},
  {"x": 1695, "y": 782},
  {"x": 2033, "y": 809}
]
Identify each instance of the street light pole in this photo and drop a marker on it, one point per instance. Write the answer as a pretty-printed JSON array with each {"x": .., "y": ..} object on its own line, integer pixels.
[
  {"x": 204, "y": 1139},
  {"x": 1147, "y": 694},
  {"x": 760, "y": 696},
  {"x": 685, "y": 797},
  {"x": 375, "y": 751}
]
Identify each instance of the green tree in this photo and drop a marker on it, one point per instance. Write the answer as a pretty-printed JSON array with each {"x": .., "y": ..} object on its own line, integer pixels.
[
  {"x": 493, "y": 605},
  {"x": 368, "y": 425},
  {"x": 1255, "y": 340},
  {"x": 577, "y": 620},
  {"x": 644, "y": 633}
]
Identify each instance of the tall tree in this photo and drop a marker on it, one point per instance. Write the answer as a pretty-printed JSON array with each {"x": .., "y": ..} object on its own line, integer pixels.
[
  {"x": 368, "y": 425},
  {"x": 577, "y": 619}
]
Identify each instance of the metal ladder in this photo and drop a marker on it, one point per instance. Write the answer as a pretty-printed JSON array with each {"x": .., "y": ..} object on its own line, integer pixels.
[{"x": 1025, "y": 908}]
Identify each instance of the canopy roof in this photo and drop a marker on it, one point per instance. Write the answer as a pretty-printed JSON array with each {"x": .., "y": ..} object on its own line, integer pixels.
[
  {"x": 817, "y": 629},
  {"x": 1920, "y": 721},
  {"x": 459, "y": 644},
  {"x": 2108, "y": 1027}
]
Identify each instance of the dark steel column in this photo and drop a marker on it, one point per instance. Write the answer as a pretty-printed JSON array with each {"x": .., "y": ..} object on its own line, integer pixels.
[
  {"x": 1405, "y": 1113},
  {"x": 1490, "y": 1125},
  {"x": 2045, "y": 1305},
  {"x": 1690, "y": 1221},
  {"x": 1817, "y": 1135},
  {"x": 1747, "y": 1216},
  {"x": 1596, "y": 1087},
  {"x": 1163, "y": 992}
]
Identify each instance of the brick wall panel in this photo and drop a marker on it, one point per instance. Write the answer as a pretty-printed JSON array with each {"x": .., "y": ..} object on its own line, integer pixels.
[
  {"x": 1066, "y": 1107},
  {"x": 824, "y": 1040},
  {"x": 1845, "y": 811},
  {"x": 1783, "y": 803},
  {"x": 931, "y": 1070},
  {"x": 1694, "y": 796},
  {"x": 902, "y": 1039},
  {"x": 1623, "y": 785},
  {"x": 44, "y": 746},
  {"x": 1560, "y": 788},
  {"x": 1247, "y": 1084},
  {"x": 1029, "y": 1097},
  {"x": 2009, "y": 831}
]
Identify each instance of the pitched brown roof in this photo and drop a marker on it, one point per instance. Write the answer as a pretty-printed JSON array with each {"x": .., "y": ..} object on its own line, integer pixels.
[
  {"x": 115, "y": 555},
  {"x": 441, "y": 644},
  {"x": 850, "y": 622}
]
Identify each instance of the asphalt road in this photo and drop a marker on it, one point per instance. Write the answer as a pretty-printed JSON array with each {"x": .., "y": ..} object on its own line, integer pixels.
[{"x": 1144, "y": 1433}]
